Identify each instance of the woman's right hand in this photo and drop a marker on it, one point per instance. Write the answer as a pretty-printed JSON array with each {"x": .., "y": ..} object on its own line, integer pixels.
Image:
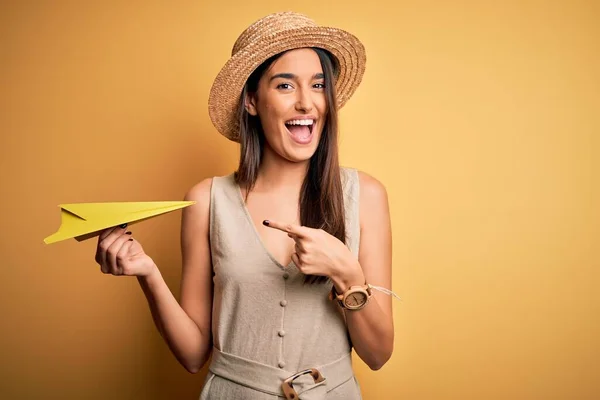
[{"x": 118, "y": 253}]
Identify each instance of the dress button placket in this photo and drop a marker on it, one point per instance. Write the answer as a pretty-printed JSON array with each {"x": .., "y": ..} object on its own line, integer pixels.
[{"x": 281, "y": 332}]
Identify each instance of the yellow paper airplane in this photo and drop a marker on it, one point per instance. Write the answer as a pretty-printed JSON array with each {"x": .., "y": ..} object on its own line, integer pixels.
[{"x": 86, "y": 220}]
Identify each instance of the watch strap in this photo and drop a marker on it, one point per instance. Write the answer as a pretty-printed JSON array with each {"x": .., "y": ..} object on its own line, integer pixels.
[{"x": 334, "y": 295}]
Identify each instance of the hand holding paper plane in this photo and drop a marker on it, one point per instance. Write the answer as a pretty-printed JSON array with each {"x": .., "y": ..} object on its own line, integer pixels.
[{"x": 82, "y": 221}]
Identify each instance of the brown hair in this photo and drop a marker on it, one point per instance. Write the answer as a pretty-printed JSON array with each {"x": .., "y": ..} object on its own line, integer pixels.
[{"x": 321, "y": 197}]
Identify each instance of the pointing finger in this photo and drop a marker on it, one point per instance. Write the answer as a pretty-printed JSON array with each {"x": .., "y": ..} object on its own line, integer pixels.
[{"x": 295, "y": 230}]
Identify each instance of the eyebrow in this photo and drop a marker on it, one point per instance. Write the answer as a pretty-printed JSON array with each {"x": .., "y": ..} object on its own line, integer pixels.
[{"x": 287, "y": 75}]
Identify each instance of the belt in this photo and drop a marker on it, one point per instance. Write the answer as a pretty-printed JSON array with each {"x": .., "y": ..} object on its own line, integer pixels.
[{"x": 279, "y": 382}]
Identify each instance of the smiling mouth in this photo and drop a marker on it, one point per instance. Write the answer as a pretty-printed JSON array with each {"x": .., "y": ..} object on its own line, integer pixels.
[
  {"x": 301, "y": 130},
  {"x": 300, "y": 124}
]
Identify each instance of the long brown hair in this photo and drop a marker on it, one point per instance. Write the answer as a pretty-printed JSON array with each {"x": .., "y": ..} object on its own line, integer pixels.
[{"x": 321, "y": 197}]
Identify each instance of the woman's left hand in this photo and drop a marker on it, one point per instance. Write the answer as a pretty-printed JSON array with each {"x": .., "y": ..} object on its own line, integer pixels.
[{"x": 319, "y": 253}]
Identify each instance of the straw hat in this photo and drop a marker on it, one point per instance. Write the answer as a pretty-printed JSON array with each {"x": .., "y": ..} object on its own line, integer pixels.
[{"x": 272, "y": 35}]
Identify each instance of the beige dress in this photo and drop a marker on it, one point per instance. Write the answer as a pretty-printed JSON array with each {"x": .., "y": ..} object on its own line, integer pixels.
[{"x": 266, "y": 324}]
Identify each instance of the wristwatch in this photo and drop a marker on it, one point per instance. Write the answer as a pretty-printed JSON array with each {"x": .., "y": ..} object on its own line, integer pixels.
[{"x": 354, "y": 298}]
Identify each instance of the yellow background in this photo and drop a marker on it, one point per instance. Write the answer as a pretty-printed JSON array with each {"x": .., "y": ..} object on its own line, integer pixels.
[{"x": 480, "y": 117}]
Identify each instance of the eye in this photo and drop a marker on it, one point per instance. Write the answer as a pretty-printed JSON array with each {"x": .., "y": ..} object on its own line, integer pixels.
[
  {"x": 284, "y": 86},
  {"x": 319, "y": 85}
]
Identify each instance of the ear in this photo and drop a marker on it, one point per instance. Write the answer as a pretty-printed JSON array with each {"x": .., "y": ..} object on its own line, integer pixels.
[{"x": 250, "y": 104}]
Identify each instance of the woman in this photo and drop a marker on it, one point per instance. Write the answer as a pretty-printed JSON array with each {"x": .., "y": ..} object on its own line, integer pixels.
[{"x": 277, "y": 256}]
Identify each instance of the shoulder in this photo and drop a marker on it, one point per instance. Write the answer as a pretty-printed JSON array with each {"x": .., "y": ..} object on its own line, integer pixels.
[
  {"x": 200, "y": 192},
  {"x": 371, "y": 189},
  {"x": 372, "y": 192},
  {"x": 195, "y": 218},
  {"x": 374, "y": 206}
]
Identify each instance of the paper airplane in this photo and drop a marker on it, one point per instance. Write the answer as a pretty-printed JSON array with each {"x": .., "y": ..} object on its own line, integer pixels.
[{"x": 83, "y": 221}]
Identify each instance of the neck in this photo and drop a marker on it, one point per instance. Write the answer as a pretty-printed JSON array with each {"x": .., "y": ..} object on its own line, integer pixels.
[{"x": 278, "y": 174}]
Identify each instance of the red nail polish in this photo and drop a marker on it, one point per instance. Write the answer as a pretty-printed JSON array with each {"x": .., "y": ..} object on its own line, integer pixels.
[{"x": 266, "y": 222}]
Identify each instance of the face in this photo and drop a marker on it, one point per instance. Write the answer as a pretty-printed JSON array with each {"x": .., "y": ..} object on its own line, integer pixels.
[
  {"x": 291, "y": 104},
  {"x": 356, "y": 299}
]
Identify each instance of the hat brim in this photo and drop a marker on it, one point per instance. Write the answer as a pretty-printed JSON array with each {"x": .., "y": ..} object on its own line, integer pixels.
[{"x": 226, "y": 89}]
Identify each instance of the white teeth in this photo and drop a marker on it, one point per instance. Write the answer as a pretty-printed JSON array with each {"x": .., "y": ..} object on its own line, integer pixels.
[{"x": 300, "y": 122}]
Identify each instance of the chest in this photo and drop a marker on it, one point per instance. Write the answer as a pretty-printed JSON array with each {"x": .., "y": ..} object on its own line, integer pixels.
[{"x": 284, "y": 209}]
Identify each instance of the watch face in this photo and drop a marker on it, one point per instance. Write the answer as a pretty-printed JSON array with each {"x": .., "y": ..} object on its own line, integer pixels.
[{"x": 355, "y": 300}]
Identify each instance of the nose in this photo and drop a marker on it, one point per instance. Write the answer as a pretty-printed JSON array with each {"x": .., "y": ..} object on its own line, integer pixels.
[{"x": 304, "y": 102}]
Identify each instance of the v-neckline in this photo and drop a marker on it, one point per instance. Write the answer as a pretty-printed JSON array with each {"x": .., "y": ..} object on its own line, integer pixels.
[{"x": 240, "y": 196}]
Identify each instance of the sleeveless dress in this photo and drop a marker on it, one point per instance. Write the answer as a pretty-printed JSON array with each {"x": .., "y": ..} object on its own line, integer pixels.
[{"x": 267, "y": 324}]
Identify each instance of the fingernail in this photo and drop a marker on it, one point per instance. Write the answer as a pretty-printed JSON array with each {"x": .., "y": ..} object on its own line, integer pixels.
[
  {"x": 128, "y": 233},
  {"x": 131, "y": 240},
  {"x": 123, "y": 226},
  {"x": 266, "y": 222}
]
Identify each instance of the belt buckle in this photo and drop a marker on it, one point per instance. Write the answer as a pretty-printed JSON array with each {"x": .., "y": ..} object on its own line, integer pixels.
[{"x": 288, "y": 390}]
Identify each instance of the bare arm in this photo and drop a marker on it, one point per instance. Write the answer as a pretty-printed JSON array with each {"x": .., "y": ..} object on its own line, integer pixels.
[
  {"x": 372, "y": 328},
  {"x": 186, "y": 326}
]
